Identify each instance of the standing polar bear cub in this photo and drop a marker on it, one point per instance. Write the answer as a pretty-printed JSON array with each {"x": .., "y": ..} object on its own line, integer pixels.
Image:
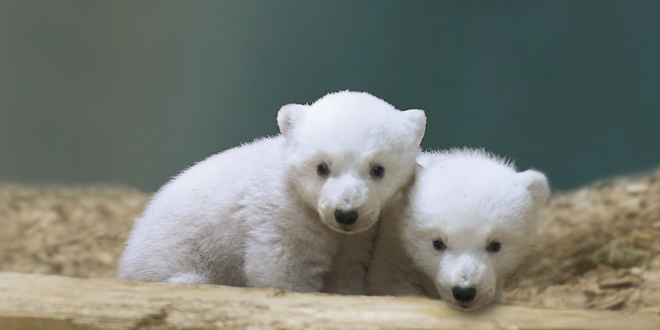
[
  {"x": 466, "y": 224},
  {"x": 295, "y": 211}
]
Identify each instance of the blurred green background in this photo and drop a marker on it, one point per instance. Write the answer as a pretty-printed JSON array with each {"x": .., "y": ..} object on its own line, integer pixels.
[{"x": 135, "y": 91}]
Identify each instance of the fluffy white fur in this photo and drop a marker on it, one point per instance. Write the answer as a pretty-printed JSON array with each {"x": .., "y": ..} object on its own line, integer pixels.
[
  {"x": 468, "y": 199},
  {"x": 261, "y": 215}
]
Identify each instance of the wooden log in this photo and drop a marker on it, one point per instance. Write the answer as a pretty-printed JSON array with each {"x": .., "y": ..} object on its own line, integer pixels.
[{"x": 29, "y": 301}]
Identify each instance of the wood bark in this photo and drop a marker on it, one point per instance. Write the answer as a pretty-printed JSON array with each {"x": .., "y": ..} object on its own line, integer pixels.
[{"x": 30, "y": 301}]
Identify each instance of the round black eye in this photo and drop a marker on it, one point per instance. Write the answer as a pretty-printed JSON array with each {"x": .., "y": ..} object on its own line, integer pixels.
[
  {"x": 439, "y": 245},
  {"x": 322, "y": 169},
  {"x": 494, "y": 247},
  {"x": 377, "y": 171}
]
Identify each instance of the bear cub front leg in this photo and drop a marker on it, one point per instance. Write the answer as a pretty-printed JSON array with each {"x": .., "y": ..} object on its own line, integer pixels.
[{"x": 289, "y": 261}]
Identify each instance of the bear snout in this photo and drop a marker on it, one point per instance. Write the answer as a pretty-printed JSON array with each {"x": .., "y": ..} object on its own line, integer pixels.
[
  {"x": 464, "y": 294},
  {"x": 346, "y": 217}
]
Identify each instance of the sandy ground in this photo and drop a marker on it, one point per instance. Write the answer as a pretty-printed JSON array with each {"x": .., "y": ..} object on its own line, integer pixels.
[{"x": 599, "y": 247}]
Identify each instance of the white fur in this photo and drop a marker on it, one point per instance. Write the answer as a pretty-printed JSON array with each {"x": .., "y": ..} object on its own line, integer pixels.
[
  {"x": 468, "y": 198},
  {"x": 260, "y": 215}
]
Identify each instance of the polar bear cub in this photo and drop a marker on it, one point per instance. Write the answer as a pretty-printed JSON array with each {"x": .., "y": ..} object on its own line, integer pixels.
[
  {"x": 467, "y": 222},
  {"x": 295, "y": 211}
]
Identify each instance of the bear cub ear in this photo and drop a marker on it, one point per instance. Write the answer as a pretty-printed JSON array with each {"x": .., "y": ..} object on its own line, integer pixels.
[
  {"x": 287, "y": 117},
  {"x": 417, "y": 118},
  {"x": 537, "y": 185}
]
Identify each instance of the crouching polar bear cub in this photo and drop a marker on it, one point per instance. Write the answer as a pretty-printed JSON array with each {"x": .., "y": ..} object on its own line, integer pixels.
[
  {"x": 294, "y": 211},
  {"x": 467, "y": 222}
]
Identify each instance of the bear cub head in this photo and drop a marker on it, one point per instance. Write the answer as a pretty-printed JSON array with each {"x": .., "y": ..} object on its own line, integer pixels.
[
  {"x": 348, "y": 154},
  {"x": 471, "y": 220}
]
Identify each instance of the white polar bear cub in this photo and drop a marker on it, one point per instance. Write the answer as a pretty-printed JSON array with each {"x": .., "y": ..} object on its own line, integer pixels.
[
  {"x": 466, "y": 224},
  {"x": 294, "y": 211}
]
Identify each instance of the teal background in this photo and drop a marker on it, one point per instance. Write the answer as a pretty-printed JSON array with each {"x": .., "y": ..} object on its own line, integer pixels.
[{"x": 134, "y": 91}]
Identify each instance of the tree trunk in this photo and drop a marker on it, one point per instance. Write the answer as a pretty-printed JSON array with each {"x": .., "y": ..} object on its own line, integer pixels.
[{"x": 29, "y": 301}]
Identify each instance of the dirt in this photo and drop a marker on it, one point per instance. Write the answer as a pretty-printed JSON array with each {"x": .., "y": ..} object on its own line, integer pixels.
[
  {"x": 70, "y": 231},
  {"x": 599, "y": 247}
]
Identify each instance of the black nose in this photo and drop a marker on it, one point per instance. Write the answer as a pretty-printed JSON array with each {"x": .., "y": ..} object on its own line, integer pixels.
[
  {"x": 464, "y": 294},
  {"x": 346, "y": 217}
]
